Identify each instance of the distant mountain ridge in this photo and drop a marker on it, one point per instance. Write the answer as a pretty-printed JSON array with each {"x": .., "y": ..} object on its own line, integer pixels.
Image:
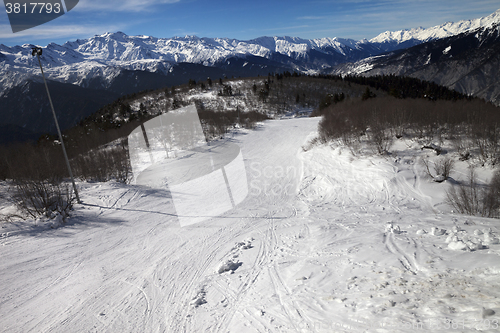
[
  {"x": 447, "y": 29},
  {"x": 117, "y": 64},
  {"x": 78, "y": 62},
  {"x": 106, "y": 55},
  {"x": 468, "y": 63}
]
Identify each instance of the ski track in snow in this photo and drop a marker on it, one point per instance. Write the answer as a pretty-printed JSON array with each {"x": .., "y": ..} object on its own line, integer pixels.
[{"x": 324, "y": 242}]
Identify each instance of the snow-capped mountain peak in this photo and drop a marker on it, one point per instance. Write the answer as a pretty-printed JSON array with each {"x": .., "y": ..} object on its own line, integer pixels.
[
  {"x": 68, "y": 62},
  {"x": 101, "y": 57},
  {"x": 447, "y": 29}
]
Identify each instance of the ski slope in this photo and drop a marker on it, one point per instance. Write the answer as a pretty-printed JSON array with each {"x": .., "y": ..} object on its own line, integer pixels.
[{"x": 323, "y": 242}]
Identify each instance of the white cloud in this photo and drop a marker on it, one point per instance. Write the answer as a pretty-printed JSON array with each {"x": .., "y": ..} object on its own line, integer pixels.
[
  {"x": 122, "y": 5},
  {"x": 56, "y": 32},
  {"x": 312, "y": 17}
]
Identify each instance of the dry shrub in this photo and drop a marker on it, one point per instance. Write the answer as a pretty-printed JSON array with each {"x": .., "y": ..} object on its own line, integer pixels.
[
  {"x": 105, "y": 164},
  {"x": 442, "y": 168},
  {"x": 379, "y": 134},
  {"x": 473, "y": 126},
  {"x": 37, "y": 174},
  {"x": 41, "y": 197},
  {"x": 311, "y": 143},
  {"x": 473, "y": 199}
]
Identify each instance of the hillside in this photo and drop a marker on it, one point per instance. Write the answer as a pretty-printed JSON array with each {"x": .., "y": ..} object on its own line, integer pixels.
[
  {"x": 468, "y": 63},
  {"x": 100, "y": 68}
]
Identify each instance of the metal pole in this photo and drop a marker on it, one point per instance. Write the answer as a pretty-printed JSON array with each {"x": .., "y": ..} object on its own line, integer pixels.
[{"x": 38, "y": 52}]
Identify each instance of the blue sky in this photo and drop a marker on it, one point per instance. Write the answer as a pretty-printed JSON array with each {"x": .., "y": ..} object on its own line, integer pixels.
[{"x": 246, "y": 20}]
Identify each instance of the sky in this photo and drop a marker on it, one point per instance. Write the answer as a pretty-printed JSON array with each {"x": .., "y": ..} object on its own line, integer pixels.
[{"x": 245, "y": 20}]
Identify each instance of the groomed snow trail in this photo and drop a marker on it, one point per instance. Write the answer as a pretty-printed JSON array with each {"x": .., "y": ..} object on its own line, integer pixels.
[{"x": 324, "y": 242}]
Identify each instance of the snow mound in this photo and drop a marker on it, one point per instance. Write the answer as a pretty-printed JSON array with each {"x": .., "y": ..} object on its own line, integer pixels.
[
  {"x": 459, "y": 239},
  {"x": 457, "y": 245},
  {"x": 199, "y": 299},
  {"x": 229, "y": 266},
  {"x": 390, "y": 227},
  {"x": 437, "y": 231}
]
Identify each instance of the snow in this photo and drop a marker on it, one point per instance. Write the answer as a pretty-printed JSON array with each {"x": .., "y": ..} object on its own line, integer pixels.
[
  {"x": 323, "y": 242},
  {"x": 106, "y": 55},
  {"x": 440, "y": 31}
]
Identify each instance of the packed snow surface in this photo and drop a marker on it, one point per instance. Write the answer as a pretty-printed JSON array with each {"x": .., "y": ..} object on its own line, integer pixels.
[{"x": 324, "y": 242}]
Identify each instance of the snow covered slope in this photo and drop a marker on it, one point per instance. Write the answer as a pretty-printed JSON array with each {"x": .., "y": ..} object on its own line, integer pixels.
[{"x": 324, "y": 242}]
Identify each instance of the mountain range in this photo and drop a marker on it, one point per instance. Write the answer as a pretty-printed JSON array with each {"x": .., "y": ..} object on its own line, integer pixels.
[
  {"x": 468, "y": 63},
  {"x": 87, "y": 73}
]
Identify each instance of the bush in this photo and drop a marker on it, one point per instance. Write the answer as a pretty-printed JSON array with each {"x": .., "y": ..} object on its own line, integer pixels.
[
  {"x": 472, "y": 126},
  {"x": 29, "y": 161},
  {"x": 311, "y": 143},
  {"x": 474, "y": 199},
  {"x": 492, "y": 196},
  {"x": 379, "y": 138},
  {"x": 41, "y": 197},
  {"x": 104, "y": 164},
  {"x": 442, "y": 168}
]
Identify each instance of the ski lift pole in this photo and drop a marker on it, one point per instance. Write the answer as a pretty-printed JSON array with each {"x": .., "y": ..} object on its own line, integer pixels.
[{"x": 38, "y": 52}]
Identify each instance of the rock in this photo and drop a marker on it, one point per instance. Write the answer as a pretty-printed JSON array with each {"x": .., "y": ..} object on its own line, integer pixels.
[{"x": 487, "y": 313}]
